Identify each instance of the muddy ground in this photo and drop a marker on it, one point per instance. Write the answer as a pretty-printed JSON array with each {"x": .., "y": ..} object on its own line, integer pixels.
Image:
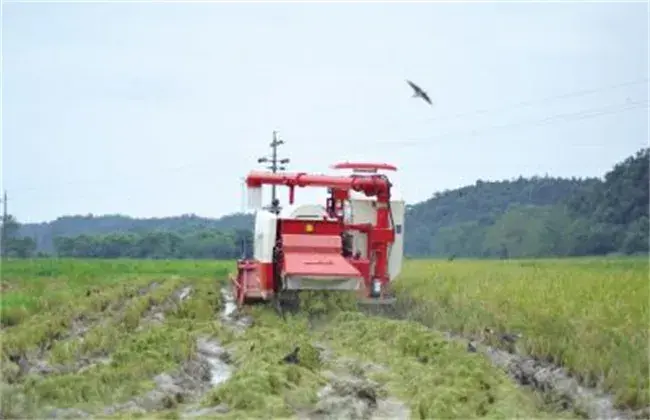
[
  {"x": 348, "y": 391},
  {"x": 179, "y": 392},
  {"x": 554, "y": 384}
]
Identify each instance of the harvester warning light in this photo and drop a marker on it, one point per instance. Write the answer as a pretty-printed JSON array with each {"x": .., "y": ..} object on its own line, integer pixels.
[{"x": 309, "y": 228}]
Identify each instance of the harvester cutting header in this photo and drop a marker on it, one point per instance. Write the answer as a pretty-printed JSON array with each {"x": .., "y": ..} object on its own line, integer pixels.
[{"x": 352, "y": 243}]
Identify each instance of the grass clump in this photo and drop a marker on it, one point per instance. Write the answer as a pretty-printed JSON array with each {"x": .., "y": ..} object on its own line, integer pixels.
[
  {"x": 262, "y": 385},
  {"x": 589, "y": 315},
  {"x": 133, "y": 363},
  {"x": 436, "y": 378}
]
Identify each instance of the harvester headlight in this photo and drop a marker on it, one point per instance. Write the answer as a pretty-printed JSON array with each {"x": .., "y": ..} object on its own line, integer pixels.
[{"x": 309, "y": 228}]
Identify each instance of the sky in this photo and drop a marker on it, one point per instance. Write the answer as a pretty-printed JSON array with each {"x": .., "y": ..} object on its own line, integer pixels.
[{"x": 159, "y": 109}]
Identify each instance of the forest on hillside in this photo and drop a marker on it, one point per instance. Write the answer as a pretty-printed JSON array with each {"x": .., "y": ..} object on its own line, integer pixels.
[
  {"x": 524, "y": 217},
  {"x": 537, "y": 216}
]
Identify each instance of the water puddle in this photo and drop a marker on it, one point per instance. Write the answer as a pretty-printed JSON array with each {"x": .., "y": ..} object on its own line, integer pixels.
[
  {"x": 230, "y": 315},
  {"x": 217, "y": 359},
  {"x": 187, "y": 385},
  {"x": 184, "y": 293},
  {"x": 229, "y": 304}
]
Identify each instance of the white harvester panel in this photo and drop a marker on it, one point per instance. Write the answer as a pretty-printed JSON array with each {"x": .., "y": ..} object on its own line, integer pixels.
[
  {"x": 304, "y": 212},
  {"x": 265, "y": 236},
  {"x": 363, "y": 210},
  {"x": 254, "y": 198},
  {"x": 396, "y": 249}
]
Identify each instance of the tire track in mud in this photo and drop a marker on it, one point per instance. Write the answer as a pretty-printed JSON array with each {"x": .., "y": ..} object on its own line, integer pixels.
[
  {"x": 350, "y": 394},
  {"x": 347, "y": 395},
  {"x": 183, "y": 388},
  {"x": 36, "y": 361},
  {"x": 208, "y": 367},
  {"x": 559, "y": 389}
]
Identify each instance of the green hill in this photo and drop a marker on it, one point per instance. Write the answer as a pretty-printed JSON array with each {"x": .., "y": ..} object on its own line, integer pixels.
[
  {"x": 455, "y": 222},
  {"x": 537, "y": 216}
]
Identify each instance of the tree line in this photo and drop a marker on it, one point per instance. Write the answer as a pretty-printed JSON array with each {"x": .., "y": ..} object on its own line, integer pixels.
[
  {"x": 156, "y": 244},
  {"x": 524, "y": 217}
]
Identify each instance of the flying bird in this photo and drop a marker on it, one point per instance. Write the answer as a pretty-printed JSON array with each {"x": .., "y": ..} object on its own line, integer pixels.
[{"x": 418, "y": 92}]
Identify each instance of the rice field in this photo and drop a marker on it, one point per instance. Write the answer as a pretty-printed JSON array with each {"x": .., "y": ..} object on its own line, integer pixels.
[
  {"x": 589, "y": 315},
  {"x": 124, "y": 338}
]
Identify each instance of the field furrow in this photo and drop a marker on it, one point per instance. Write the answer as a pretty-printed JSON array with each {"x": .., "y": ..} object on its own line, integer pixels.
[{"x": 163, "y": 340}]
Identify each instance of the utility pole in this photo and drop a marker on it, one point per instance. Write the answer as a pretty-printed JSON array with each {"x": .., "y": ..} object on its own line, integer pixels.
[
  {"x": 5, "y": 216},
  {"x": 4, "y": 206},
  {"x": 275, "y": 164}
]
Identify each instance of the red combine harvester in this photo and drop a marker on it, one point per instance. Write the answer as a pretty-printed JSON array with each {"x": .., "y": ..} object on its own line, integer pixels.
[{"x": 353, "y": 243}]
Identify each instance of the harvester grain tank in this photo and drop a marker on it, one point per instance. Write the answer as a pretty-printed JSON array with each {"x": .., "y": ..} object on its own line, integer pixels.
[{"x": 352, "y": 243}]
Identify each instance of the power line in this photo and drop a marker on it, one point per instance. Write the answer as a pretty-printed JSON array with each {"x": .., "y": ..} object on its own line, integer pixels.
[
  {"x": 584, "y": 114},
  {"x": 576, "y": 93},
  {"x": 532, "y": 102},
  {"x": 521, "y": 104},
  {"x": 557, "y": 118}
]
